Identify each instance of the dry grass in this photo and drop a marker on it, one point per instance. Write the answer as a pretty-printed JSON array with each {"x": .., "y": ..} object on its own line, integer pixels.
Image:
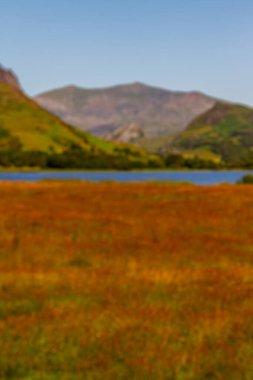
[{"x": 115, "y": 281}]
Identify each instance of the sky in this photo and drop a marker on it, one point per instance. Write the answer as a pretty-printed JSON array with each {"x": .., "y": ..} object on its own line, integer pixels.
[{"x": 201, "y": 45}]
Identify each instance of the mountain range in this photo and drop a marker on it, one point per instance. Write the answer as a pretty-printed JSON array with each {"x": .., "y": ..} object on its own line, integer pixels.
[
  {"x": 185, "y": 129},
  {"x": 200, "y": 129},
  {"x": 131, "y": 113},
  {"x": 31, "y": 136}
]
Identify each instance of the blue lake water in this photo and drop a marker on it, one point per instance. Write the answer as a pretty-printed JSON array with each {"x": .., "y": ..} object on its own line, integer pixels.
[{"x": 196, "y": 177}]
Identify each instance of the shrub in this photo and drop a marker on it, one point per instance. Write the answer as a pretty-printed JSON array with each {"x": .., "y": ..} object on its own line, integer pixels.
[{"x": 246, "y": 179}]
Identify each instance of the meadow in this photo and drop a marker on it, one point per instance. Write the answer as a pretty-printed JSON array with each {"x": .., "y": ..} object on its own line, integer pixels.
[{"x": 126, "y": 281}]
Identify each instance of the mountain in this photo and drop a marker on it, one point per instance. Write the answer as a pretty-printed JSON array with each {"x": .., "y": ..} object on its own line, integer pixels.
[
  {"x": 156, "y": 112},
  {"x": 31, "y": 136},
  {"x": 223, "y": 134}
]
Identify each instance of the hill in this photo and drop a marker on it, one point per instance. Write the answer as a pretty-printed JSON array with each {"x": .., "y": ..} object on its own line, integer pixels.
[
  {"x": 31, "y": 136},
  {"x": 223, "y": 134},
  {"x": 105, "y": 112}
]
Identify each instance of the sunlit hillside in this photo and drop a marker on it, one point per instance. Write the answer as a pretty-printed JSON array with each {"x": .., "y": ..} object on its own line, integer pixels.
[{"x": 223, "y": 134}]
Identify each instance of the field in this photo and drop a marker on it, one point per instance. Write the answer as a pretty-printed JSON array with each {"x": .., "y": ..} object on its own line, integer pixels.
[{"x": 126, "y": 281}]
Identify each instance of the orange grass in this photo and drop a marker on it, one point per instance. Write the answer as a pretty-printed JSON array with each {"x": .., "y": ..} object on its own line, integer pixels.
[{"x": 126, "y": 281}]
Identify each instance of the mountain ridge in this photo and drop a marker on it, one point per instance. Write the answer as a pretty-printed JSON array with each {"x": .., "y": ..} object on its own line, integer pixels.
[
  {"x": 158, "y": 112},
  {"x": 31, "y": 136}
]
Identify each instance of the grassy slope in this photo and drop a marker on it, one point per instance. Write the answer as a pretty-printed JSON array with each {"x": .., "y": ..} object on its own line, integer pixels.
[
  {"x": 225, "y": 132},
  {"x": 157, "y": 285},
  {"x": 155, "y": 143},
  {"x": 24, "y": 121},
  {"x": 35, "y": 128}
]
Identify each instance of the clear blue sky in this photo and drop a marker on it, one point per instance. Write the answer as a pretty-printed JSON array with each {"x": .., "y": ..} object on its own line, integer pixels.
[{"x": 204, "y": 45}]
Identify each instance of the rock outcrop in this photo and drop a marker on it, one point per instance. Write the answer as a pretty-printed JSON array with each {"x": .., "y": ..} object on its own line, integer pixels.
[
  {"x": 128, "y": 134},
  {"x": 8, "y": 77}
]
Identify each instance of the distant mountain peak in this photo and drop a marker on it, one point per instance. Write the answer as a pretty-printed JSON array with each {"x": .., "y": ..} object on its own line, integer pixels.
[
  {"x": 71, "y": 87},
  {"x": 158, "y": 112},
  {"x": 137, "y": 85},
  {"x": 7, "y": 76}
]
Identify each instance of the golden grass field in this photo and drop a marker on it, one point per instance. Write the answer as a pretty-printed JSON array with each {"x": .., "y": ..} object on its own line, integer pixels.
[{"x": 126, "y": 281}]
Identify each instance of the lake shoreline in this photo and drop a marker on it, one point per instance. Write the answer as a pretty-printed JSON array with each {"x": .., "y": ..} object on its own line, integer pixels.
[{"x": 197, "y": 177}]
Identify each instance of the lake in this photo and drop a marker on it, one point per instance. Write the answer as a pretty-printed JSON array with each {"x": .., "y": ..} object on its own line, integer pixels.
[{"x": 196, "y": 177}]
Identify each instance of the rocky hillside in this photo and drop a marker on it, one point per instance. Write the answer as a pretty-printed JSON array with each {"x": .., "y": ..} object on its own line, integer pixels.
[
  {"x": 155, "y": 112},
  {"x": 128, "y": 134},
  {"x": 9, "y": 78}
]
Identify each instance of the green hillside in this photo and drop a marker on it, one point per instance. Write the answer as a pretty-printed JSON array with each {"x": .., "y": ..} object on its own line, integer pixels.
[
  {"x": 31, "y": 136},
  {"x": 223, "y": 135},
  {"x": 23, "y": 123}
]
